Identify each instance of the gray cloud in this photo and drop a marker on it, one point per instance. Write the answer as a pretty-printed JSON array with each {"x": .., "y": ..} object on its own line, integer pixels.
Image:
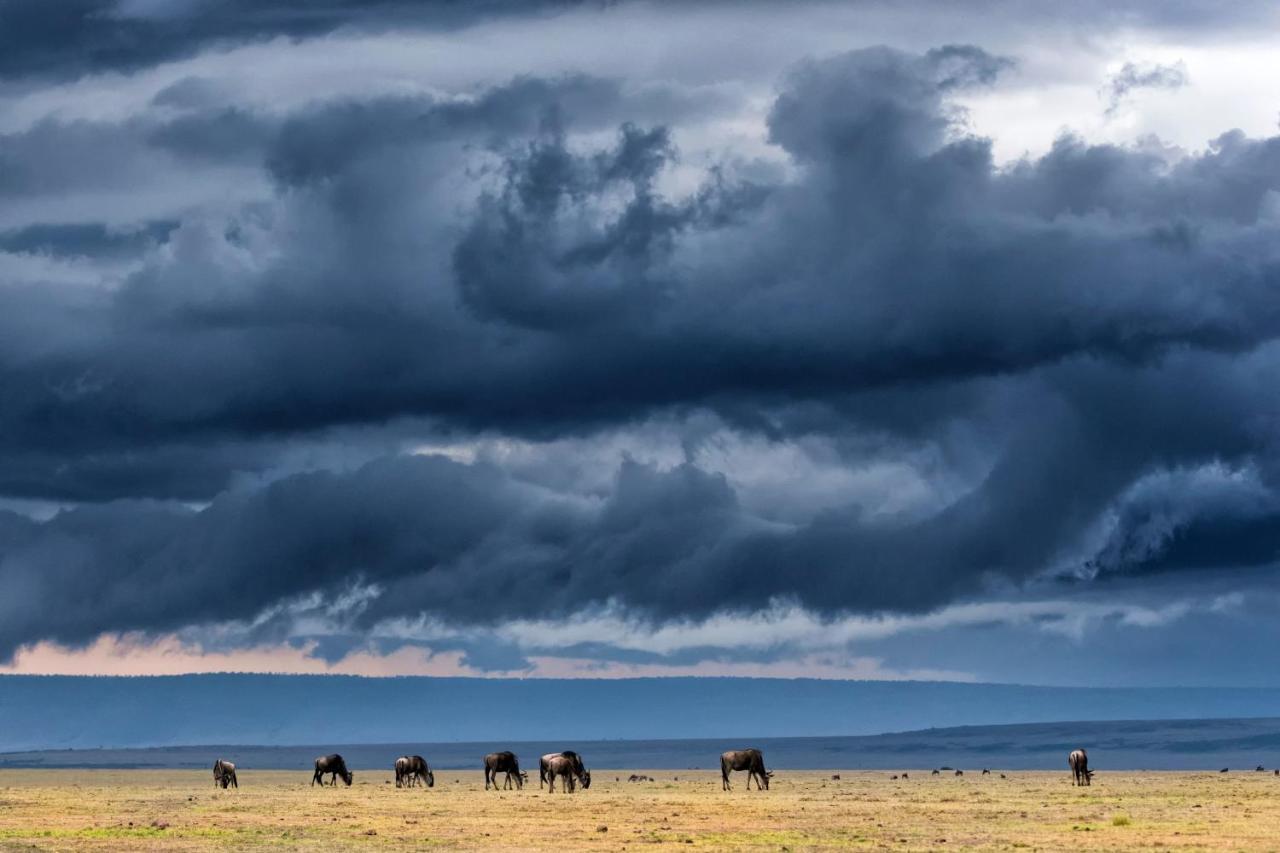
[
  {"x": 1133, "y": 76},
  {"x": 1065, "y": 332}
]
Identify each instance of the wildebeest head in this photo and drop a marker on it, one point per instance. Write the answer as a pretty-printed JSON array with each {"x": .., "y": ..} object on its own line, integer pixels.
[
  {"x": 347, "y": 776},
  {"x": 586, "y": 779},
  {"x": 767, "y": 776},
  {"x": 431, "y": 779}
]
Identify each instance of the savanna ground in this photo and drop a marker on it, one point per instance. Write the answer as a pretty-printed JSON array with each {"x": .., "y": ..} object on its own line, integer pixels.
[{"x": 181, "y": 810}]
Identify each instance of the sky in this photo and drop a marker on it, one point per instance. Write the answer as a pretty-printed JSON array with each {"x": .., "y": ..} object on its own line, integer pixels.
[{"x": 849, "y": 340}]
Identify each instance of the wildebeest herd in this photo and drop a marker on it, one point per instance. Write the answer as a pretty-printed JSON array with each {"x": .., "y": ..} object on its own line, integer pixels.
[{"x": 411, "y": 770}]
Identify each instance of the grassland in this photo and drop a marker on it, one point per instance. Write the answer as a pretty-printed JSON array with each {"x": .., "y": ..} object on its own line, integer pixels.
[{"x": 172, "y": 810}]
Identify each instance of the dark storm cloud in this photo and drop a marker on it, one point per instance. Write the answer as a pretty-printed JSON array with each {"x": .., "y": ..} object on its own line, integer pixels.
[
  {"x": 73, "y": 37},
  {"x": 1097, "y": 315}
]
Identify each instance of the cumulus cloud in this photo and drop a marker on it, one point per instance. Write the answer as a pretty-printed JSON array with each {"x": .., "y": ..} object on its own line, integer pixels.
[{"x": 984, "y": 374}]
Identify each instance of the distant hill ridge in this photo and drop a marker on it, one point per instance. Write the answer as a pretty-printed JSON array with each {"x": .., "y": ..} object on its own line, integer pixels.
[
  {"x": 1206, "y": 745},
  {"x": 50, "y": 712}
]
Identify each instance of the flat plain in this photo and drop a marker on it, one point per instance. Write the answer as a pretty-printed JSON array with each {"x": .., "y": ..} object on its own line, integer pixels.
[{"x": 181, "y": 810}]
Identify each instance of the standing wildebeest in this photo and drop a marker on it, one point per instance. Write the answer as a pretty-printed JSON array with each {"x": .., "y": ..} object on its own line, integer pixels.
[
  {"x": 411, "y": 769},
  {"x": 566, "y": 764},
  {"x": 331, "y": 764},
  {"x": 224, "y": 774},
  {"x": 1078, "y": 761},
  {"x": 750, "y": 760},
  {"x": 579, "y": 770},
  {"x": 502, "y": 762}
]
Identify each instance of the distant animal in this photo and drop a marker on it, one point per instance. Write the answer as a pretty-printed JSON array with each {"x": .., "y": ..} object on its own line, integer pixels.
[
  {"x": 893, "y": 778},
  {"x": 411, "y": 769},
  {"x": 503, "y": 762},
  {"x": 937, "y": 772},
  {"x": 750, "y": 760},
  {"x": 959, "y": 772},
  {"x": 1078, "y": 761},
  {"x": 568, "y": 765},
  {"x": 906, "y": 776},
  {"x": 835, "y": 777},
  {"x": 1002, "y": 776},
  {"x": 986, "y": 772},
  {"x": 224, "y": 774},
  {"x": 1259, "y": 769},
  {"x": 638, "y": 778},
  {"x": 333, "y": 765},
  {"x": 544, "y": 763},
  {"x": 1224, "y": 770}
]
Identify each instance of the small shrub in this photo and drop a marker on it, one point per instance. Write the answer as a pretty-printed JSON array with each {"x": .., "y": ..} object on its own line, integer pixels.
[{"x": 1120, "y": 820}]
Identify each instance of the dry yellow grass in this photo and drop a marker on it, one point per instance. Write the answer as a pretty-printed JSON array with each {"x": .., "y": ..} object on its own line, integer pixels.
[{"x": 169, "y": 810}]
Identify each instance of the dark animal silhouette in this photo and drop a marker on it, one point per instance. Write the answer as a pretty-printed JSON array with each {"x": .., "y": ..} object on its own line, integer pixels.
[
  {"x": 502, "y": 762},
  {"x": 835, "y": 777},
  {"x": 1259, "y": 769},
  {"x": 224, "y": 774},
  {"x": 569, "y": 765},
  {"x": 635, "y": 778},
  {"x": 1002, "y": 776},
  {"x": 906, "y": 776},
  {"x": 1078, "y": 761},
  {"x": 750, "y": 760},
  {"x": 937, "y": 773},
  {"x": 579, "y": 769},
  {"x": 959, "y": 772},
  {"x": 893, "y": 778},
  {"x": 333, "y": 765},
  {"x": 986, "y": 772},
  {"x": 411, "y": 769},
  {"x": 1224, "y": 770}
]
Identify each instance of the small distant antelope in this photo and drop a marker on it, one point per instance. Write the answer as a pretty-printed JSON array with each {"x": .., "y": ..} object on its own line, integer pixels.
[{"x": 1078, "y": 761}]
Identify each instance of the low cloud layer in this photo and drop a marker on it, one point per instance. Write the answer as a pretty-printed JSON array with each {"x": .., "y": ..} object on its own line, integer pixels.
[{"x": 566, "y": 344}]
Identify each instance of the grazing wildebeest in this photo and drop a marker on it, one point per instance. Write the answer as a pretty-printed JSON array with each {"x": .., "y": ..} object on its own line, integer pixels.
[
  {"x": 959, "y": 772},
  {"x": 986, "y": 772},
  {"x": 411, "y": 769},
  {"x": 502, "y": 762},
  {"x": 906, "y": 776},
  {"x": 893, "y": 778},
  {"x": 835, "y": 777},
  {"x": 1002, "y": 776},
  {"x": 544, "y": 764},
  {"x": 1078, "y": 761},
  {"x": 937, "y": 773},
  {"x": 224, "y": 774},
  {"x": 334, "y": 765},
  {"x": 750, "y": 760},
  {"x": 569, "y": 765}
]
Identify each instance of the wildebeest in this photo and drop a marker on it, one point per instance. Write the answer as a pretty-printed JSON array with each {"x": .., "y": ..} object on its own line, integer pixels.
[
  {"x": 635, "y": 778},
  {"x": 566, "y": 764},
  {"x": 332, "y": 764},
  {"x": 750, "y": 760},
  {"x": 959, "y": 772},
  {"x": 1078, "y": 761},
  {"x": 224, "y": 774},
  {"x": 1224, "y": 770},
  {"x": 986, "y": 772},
  {"x": 937, "y": 772},
  {"x": 1259, "y": 769},
  {"x": 411, "y": 769},
  {"x": 544, "y": 763},
  {"x": 502, "y": 762},
  {"x": 906, "y": 775}
]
